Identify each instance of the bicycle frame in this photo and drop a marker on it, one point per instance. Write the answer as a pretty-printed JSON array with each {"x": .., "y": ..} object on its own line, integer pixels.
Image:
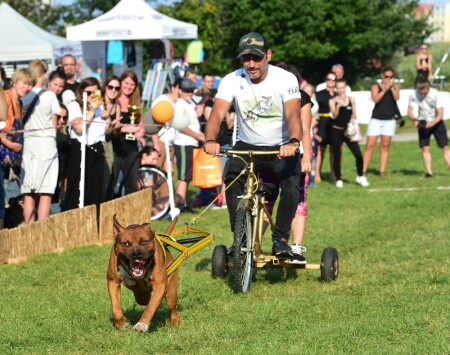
[
  {"x": 246, "y": 251},
  {"x": 258, "y": 201}
]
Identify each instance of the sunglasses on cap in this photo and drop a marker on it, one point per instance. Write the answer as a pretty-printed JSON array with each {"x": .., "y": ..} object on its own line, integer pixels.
[{"x": 112, "y": 87}]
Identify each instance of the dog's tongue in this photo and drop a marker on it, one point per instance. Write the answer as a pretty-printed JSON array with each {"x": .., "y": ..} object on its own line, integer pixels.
[{"x": 137, "y": 266}]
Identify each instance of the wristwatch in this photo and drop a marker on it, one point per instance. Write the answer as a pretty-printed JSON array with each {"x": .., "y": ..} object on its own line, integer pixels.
[{"x": 294, "y": 140}]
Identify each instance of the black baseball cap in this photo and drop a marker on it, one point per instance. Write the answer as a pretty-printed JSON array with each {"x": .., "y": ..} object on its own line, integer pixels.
[{"x": 187, "y": 85}]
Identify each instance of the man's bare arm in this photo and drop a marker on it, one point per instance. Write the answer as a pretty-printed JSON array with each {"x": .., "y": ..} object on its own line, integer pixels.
[
  {"x": 218, "y": 113},
  {"x": 293, "y": 116}
]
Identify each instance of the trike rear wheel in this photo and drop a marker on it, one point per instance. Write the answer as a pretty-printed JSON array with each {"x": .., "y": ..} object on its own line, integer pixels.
[
  {"x": 243, "y": 249},
  {"x": 329, "y": 264},
  {"x": 219, "y": 261}
]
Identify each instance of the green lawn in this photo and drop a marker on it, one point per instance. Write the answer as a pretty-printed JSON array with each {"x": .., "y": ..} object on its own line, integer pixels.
[{"x": 392, "y": 295}]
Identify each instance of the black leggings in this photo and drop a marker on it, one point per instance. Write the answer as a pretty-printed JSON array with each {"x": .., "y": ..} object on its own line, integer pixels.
[{"x": 337, "y": 138}]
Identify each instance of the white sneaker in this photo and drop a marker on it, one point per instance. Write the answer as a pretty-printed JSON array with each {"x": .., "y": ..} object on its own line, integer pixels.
[
  {"x": 339, "y": 184},
  {"x": 362, "y": 180},
  {"x": 297, "y": 254}
]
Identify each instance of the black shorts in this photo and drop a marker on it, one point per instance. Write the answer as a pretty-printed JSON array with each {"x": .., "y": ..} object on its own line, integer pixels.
[
  {"x": 184, "y": 155},
  {"x": 438, "y": 131},
  {"x": 324, "y": 130}
]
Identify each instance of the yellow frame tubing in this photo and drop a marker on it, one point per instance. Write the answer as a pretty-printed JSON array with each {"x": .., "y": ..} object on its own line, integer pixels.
[{"x": 186, "y": 252}]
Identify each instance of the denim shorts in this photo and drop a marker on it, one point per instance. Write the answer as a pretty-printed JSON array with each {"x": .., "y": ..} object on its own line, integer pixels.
[{"x": 378, "y": 128}]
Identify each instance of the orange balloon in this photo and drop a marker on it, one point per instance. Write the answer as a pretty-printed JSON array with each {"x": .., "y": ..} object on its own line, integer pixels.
[{"x": 163, "y": 112}]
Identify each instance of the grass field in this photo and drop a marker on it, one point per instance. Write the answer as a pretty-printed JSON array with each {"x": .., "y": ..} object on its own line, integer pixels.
[{"x": 392, "y": 295}]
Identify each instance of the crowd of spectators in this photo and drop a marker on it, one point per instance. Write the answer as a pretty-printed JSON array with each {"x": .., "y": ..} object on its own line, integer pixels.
[{"x": 40, "y": 166}]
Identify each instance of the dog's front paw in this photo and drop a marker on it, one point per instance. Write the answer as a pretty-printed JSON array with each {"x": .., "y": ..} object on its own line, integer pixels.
[
  {"x": 141, "y": 327},
  {"x": 174, "y": 320},
  {"x": 121, "y": 323}
]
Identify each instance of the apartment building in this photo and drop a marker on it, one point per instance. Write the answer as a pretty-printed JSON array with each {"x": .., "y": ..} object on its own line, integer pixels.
[{"x": 439, "y": 18}]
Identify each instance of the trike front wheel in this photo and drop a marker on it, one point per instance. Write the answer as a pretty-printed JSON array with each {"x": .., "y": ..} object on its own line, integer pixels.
[
  {"x": 243, "y": 249},
  {"x": 219, "y": 262}
]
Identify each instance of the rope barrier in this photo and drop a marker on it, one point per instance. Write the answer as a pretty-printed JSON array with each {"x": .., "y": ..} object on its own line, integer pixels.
[{"x": 120, "y": 125}]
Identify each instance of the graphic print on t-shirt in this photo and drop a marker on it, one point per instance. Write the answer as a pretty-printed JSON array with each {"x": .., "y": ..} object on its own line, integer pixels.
[{"x": 261, "y": 106}]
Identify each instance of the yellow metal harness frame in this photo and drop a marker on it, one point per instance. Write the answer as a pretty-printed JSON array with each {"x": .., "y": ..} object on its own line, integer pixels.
[{"x": 196, "y": 243}]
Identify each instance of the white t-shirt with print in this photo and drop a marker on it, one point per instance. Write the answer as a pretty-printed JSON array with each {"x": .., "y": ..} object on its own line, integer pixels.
[
  {"x": 259, "y": 107},
  {"x": 426, "y": 105},
  {"x": 194, "y": 125}
]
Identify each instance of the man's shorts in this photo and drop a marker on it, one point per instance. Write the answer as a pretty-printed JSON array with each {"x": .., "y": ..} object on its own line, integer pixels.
[
  {"x": 438, "y": 131},
  {"x": 378, "y": 128},
  {"x": 184, "y": 155}
]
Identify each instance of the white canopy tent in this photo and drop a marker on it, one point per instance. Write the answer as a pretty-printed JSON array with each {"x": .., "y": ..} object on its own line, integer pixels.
[
  {"x": 21, "y": 40},
  {"x": 132, "y": 20}
]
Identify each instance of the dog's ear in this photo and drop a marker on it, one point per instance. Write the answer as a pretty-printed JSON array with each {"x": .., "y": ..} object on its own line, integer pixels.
[
  {"x": 117, "y": 227},
  {"x": 147, "y": 225}
]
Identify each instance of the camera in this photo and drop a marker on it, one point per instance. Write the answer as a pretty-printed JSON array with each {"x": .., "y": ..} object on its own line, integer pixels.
[
  {"x": 399, "y": 119},
  {"x": 422, "y": 124}
]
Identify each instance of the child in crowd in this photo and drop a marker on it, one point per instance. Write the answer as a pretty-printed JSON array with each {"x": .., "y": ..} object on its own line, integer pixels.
[{"x": 153, "y": 179}]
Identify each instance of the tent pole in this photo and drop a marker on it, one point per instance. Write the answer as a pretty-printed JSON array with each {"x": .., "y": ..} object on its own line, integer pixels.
[{"x": 174, "y": 211}]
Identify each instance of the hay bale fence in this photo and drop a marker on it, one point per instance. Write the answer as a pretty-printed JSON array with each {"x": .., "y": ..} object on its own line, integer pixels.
[{"x": 74, "y": 228}]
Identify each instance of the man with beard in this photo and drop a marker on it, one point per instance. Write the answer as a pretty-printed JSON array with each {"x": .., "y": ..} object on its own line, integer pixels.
[{"x": 267, "y": 103}]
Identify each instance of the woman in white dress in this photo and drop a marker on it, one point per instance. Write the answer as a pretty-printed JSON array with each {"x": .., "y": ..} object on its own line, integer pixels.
[{"x": 39, "y": 169}]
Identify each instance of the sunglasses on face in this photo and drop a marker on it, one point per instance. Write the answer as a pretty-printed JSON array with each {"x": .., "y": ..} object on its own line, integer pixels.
[
  {"x": 88, "y": 93},
  {"x": 388, "y": 76},
  {"x": 331, "y": 79},
  {"x": 63, "y": 117},
  {"x": 112, "y": 87}
]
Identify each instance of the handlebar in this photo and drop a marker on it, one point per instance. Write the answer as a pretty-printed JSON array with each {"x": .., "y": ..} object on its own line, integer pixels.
[{"x": 250, "y": 152}]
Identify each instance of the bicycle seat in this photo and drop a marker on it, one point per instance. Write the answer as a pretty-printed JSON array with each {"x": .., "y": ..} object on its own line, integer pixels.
[{"x": 266, "y": 188}]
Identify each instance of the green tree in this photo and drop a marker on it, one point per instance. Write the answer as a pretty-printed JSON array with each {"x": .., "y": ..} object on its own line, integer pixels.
[
  {"x": 312, "y": 34},
  {"x": 43, "y": 15},
  {"x": 85, "y": 10},
  {"x": 206, "y": 15}
]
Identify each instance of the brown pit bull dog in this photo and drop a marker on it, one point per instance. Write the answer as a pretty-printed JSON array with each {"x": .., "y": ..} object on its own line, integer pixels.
[{"x": 139, "y": 261}]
